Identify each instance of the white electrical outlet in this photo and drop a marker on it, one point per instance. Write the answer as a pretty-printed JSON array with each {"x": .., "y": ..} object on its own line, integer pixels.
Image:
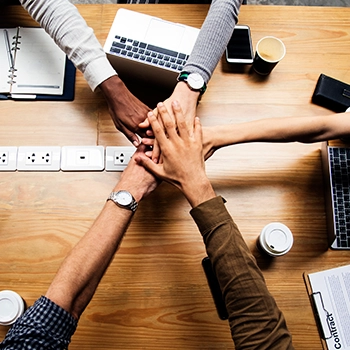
[
  {"x": 39, "y": 158},
  {"x": 82, "y": 158},
  {"x": 8, "y": 158},
  {"x": 118, "y": 157}
]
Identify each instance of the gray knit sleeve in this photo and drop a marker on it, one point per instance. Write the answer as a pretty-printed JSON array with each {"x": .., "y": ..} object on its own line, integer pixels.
[{"x": 213, "y": 37}]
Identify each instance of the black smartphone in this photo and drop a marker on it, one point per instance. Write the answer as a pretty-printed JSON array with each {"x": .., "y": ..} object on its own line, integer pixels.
[
  {"x": 215, "y": 289},
  {"x": 239, "y": 48}
]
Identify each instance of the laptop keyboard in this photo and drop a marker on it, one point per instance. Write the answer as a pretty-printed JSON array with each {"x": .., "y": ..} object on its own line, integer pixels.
[
  {"x": 340, "y": 176},
  {"x": 149, "y": 54}
]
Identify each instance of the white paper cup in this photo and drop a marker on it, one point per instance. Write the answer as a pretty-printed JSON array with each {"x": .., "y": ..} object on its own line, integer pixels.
[
  {"x": 11, "y": 307},
  {"x": 275, "y": 239}
]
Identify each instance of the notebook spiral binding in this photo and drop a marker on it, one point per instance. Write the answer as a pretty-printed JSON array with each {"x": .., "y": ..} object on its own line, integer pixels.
[{"x": 12, "y": 49}]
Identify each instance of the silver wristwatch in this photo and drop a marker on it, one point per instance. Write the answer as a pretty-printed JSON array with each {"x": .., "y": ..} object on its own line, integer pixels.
[{"x": 123, "y": 199}]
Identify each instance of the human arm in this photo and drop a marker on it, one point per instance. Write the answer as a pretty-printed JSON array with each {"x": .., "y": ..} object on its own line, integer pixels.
[
  {"x": 62, "y": 21},
  {"x": 255, "y": 320},
  {"x": 210, "y": 45},
  {"x": 80, "y": 273},
  {"x": 292, "y": 129},
  {"x": 53, "y": 319}
]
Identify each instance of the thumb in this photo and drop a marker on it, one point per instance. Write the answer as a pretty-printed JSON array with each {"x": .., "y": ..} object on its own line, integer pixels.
[
  {"x": 148, "y": 164},
  {"x": 132, "y": 137}
]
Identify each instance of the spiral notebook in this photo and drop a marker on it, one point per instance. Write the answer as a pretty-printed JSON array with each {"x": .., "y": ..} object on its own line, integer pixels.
[{"x": 32, "y": 66}]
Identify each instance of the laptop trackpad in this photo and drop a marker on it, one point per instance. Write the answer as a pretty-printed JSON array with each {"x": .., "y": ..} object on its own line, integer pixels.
[{"x": 164, "y": 34}]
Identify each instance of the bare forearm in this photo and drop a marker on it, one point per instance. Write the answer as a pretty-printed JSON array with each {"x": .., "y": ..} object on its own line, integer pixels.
[
  {"x": 78, "y": 277},
  {"x": 299, "y": 129}
]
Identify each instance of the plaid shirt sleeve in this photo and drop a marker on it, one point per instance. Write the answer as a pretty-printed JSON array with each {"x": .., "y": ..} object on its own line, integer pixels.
[{"x": 44, "y": 326}]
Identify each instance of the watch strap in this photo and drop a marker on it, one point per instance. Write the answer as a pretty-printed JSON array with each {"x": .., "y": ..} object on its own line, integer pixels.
[
  {"x": 183, "y": 77},
  {"x": 132, "y": 206}
]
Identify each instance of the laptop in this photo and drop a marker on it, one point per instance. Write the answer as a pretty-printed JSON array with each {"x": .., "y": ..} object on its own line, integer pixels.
[
  {"x": 145, "y": 47},
  {"x": 336, "y": 171}
]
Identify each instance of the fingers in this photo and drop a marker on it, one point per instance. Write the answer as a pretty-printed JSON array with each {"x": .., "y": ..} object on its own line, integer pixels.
[
  {"x": 132, "y": 137},
  {"x": 157, "y": 128},
  {"x": 148, "y": 164},
  {"x": 168, "y": 121},
  {"x": 144, "y": 125},
  {"x": 184, "y": 128},
  {"x": 197, "y": 131},
  {"x": 156, "y": 152}
]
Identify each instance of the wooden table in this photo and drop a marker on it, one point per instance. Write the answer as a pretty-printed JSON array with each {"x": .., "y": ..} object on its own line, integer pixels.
[{"x": 155, "y": 295}]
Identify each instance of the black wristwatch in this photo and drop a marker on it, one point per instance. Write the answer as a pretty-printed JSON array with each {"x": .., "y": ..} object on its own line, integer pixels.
[
  {"x": 194, "y": 81},
  {"x": 123, "y": 199}
]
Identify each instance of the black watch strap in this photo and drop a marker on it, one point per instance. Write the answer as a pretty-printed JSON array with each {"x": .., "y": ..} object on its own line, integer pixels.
[{"x": 183, "y": 76}]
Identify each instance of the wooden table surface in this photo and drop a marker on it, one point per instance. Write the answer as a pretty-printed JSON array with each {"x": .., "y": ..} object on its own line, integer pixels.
[{"x": 155, "y": 295}]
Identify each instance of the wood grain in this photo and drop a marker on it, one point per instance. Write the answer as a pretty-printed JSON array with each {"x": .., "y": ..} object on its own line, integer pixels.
[{"x": 155, "y": 295}]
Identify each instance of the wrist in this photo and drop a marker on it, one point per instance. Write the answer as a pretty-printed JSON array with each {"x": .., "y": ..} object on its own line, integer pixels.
[
  {"x": 111, "y": 84},
  {"x": 194, "y": 81},
  {"x": 135, "y": 191},
  {"x": 198, "y": 191}
]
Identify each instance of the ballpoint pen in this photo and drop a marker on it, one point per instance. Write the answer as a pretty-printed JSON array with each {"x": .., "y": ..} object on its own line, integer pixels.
[{"x": 8, "y": 48}]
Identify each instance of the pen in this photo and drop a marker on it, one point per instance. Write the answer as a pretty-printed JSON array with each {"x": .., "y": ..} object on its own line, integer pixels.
[{"x": 8, "y": 48}]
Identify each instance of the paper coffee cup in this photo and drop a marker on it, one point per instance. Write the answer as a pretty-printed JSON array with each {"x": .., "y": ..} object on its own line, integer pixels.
[
  {"x": 11, "y": 307},
  {"x": 275, "y": 239},
  {"x": 269, "y": 51}
]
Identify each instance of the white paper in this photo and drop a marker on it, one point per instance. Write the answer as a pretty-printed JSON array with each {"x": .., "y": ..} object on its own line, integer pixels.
[
  {"x": 39, "y": 63},
  {"x": 331, "y": 290}
]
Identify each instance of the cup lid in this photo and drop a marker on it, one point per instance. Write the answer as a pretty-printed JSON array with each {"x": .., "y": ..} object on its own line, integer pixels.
[
  {"x": 278, "y": 238},
  {"x": 11, "y": 307}
]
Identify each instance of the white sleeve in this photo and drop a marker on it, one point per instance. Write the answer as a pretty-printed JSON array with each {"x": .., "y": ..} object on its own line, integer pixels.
[{"x": 63, "y": 22}]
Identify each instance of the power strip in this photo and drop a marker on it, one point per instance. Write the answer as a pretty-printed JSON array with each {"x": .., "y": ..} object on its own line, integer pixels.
[
  {"x": 66, "y": 158},
  {"x": 8, "y": 158},
  {"x": 82, "y": 158},
  {"x": 39, "y": 158},
  {"x": 117, "y": 158}
]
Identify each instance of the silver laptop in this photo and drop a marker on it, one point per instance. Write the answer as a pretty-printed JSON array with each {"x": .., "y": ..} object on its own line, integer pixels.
[
  {"x": 336, "y": 171},
  {"x": 144, "y": 47}
]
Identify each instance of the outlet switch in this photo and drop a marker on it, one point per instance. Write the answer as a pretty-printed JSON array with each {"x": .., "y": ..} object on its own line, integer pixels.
[
  {"x": 39, "y": 158},
  {"x": 118, "y": 157},
  {"x": 82, "y": 158},
  {"x": 8, "y": 158}
]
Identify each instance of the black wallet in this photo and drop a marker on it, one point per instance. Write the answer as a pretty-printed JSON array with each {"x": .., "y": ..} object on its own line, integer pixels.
[{"x": 332, "y": 94}]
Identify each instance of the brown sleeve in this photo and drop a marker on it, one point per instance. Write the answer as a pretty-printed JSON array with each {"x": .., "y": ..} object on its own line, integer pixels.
[{"x": 255, "y": 320}]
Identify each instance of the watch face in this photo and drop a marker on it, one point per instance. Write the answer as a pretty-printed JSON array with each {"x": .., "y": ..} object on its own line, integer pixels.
[
  {"x": 123, "y": 198},
  {"x": 195, "y": 81}
]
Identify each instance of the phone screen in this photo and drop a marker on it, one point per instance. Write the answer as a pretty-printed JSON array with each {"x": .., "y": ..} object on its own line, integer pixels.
[{"x": 239, "y": 48}]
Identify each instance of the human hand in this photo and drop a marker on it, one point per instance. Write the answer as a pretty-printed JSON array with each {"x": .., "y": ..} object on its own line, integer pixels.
[
  {"x": 136, "y": 179},
  {"x": 188, "y": 100},
  {"x": 182, "y": 162},
  {"x": 208, "y": 142},
  {"x": 126, "y": 110}
]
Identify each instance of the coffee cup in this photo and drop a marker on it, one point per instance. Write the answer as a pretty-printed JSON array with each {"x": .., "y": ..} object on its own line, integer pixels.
[
  {"x": 11, "y": 307},
  {"x": 275, "y": 239},
  {"x": 269, "y": 51}
]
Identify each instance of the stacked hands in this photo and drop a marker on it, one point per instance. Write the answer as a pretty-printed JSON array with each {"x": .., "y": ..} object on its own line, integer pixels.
[{"x": 179, "y": 160}]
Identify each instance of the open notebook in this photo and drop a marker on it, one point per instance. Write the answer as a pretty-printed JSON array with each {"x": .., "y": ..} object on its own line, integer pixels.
[{"x": 32, "y": 66}]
